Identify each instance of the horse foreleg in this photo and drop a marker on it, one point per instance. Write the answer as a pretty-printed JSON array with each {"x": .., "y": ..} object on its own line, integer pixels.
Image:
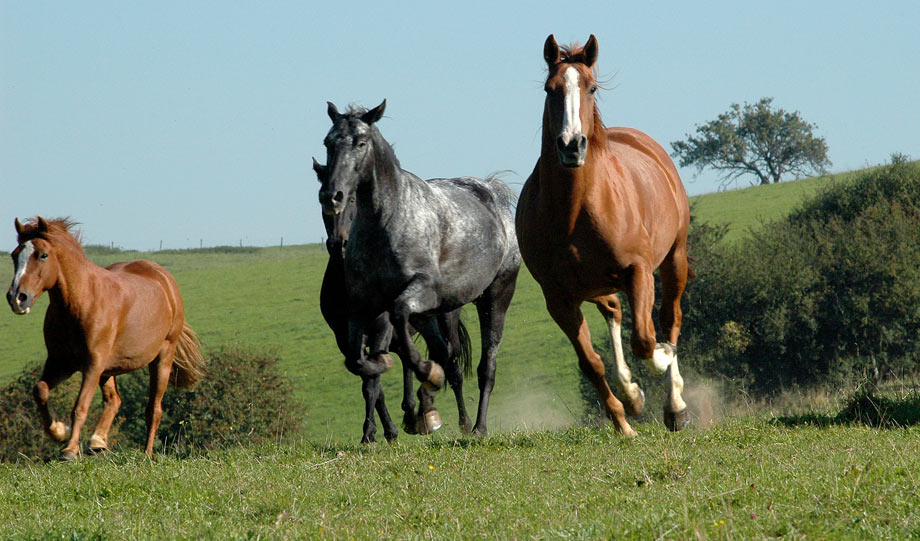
[
  {"x": 418, "y": 297},
  {"x": 661, "y": 358},
  {"x": 609, "y": 307},
  {"x": 41, "y": 393},
  {"x": 568, "y": 316},
  {"x": 80, "y": 410},
  {"x": 674, "y": 271},
  {"x": 111, "y": 401}
]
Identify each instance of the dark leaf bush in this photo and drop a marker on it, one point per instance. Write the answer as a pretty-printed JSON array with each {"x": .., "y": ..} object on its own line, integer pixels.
[{"x": 244, "y": 398}]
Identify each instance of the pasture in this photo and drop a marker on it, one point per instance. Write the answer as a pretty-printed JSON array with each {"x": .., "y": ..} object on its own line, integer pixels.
[{"x": 743, "y": 470}]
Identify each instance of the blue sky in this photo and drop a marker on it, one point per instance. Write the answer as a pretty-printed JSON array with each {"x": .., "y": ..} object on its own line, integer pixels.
[{"x": 195, "y": 122}]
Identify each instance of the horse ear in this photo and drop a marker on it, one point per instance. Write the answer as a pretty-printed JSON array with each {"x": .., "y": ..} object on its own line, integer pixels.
[
  {"x": 551, "y": 51},
  {"x": 332, "y": 111},
  {"x": 320, "y": 170},
  {"x": 17, "y": 225},
  {"x": 42, "y": 225},
  {"x": 590, "y": 51},
  {"x": 374, "y": 114}
]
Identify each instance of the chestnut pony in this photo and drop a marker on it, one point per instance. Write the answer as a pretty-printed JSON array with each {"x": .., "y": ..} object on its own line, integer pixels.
[
  {"x": 100, "y": 322},
  {"x": 603, "y": 208}
]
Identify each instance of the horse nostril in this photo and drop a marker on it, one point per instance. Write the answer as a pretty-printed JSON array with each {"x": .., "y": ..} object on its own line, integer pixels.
[
  {"x": 339, "y": 197},
  {"x": 582, "y": 143},
  {"x": 22, "y": 298},
  {"x": 560, "y": 144}
]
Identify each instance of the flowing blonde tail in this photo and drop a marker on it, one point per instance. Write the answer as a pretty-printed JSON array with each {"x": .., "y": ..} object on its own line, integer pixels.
[{"x": 188, "y": 362}]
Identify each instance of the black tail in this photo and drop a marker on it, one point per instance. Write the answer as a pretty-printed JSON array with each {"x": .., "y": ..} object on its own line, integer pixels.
[{"x": 465, "y": 355}]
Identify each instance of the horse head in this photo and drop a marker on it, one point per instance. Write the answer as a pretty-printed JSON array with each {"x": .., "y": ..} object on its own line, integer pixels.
[
  {"x": 349, "y": 155},
  {"x": 35, "y": 265},
  {"x": 569, "y": 115},
  {"x": 338, "y": 224}
]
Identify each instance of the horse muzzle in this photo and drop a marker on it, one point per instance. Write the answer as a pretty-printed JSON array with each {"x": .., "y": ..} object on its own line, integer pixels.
[
  {"x": 332, "y": 203},
  {"x": 572, "y": 153},
  {"x": 20, "y": 302}
]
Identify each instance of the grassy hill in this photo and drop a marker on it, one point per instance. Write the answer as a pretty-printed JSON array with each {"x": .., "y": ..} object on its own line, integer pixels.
[{"x": 267, "y": 298}]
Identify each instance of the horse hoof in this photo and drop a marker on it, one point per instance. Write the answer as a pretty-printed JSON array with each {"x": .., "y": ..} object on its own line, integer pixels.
[
  {"x": 96, "y": 446},
  {"x": 410, "y": 425},
  {"x": 635, "y": 407},
  {"x": 466, "y": 428},
  {"x": 67, "y": 456},
  {"x": 676, "y": 421},
  {"x": 59, "y": 431},
  {"x": 435, "y": 377},
  {"x": 430, "y": 423}
]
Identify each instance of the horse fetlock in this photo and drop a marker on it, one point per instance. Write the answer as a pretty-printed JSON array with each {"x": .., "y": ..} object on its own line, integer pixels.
[
  {"x": 635, "y": 400},
  {"x": 662, "y": 358},
  {"x": 59, "y": 431},
  {"x": 383, "y": 360}
]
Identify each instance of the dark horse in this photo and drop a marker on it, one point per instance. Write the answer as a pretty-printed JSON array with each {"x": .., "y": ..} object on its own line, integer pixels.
[
  {"x": 334, "y": 307},
  {"x": 101, "y": 322},
  {"x": 603, "y": 208},
  {"x": 417, "y": 249}
]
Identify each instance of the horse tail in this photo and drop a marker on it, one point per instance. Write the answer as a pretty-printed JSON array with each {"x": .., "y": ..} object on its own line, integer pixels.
[
  {"x": 465, "y": 355},
  {"x": 188, "y": 362}
]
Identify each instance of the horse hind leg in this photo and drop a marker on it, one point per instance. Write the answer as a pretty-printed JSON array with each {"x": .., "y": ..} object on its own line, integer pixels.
[
  {"x": 492, "y": 308},
  {"x": 459, "y": 350},
  {"x": 160, "y": 370},
  {"x": 610, "y": 308},
  {"x": 111, "y": 401}
]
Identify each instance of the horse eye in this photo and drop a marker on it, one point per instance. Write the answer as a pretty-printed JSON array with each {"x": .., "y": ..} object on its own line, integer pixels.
[
  {"x": 43, "y": 257},
  {"x": 593, "y": 89},
  {"x": 361, "y": 144}
]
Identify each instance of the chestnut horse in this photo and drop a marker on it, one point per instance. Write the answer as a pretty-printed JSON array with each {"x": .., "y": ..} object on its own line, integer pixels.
[
  {"x": 100, "y": 322},
  {"x": 603, "y": 208}
]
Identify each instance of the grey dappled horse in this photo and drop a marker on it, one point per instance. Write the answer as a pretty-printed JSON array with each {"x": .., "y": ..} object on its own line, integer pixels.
[
  {"x": 417, "y": 249},
  {"x": 334, "y": 307}
]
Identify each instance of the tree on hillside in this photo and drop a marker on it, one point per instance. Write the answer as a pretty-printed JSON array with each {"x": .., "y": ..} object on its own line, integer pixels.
[{"x": 755, "y": 139}]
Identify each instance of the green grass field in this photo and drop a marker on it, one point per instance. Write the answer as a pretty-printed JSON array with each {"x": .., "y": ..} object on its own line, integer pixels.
[
  {"x": 747, "y": 478},
  {"x": 737, "y": 474}
]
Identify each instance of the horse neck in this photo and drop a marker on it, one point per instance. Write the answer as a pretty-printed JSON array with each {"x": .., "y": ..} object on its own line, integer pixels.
[
  {"x": 76, "y": 275},
  {"x": 564, "y": 187},
  {"x": 380, "y": 194}
]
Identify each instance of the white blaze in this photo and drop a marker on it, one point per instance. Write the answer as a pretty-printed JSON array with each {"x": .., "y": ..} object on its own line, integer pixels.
[
  {"x": 571, "y": 119},
  {"x": 27, "y": 249}
]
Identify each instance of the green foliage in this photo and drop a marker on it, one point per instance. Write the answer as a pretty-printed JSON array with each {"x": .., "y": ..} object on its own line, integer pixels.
[
  {"x": 21, "y": 434},
  {"x": 830, "y": 291},
  {"x": 755, "y": 140},
  {"x": 244, "y": 399}
]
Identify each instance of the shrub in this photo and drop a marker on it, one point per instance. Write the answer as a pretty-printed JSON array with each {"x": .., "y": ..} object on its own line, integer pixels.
[
  {"x": 243, "y": 398},
  {"x": 829, "y": 291}
]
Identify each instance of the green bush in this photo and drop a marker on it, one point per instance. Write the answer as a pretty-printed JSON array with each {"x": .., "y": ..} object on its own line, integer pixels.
[
  {"x": 243, "y": 398},
  {"x": 830, "y": 292}
]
